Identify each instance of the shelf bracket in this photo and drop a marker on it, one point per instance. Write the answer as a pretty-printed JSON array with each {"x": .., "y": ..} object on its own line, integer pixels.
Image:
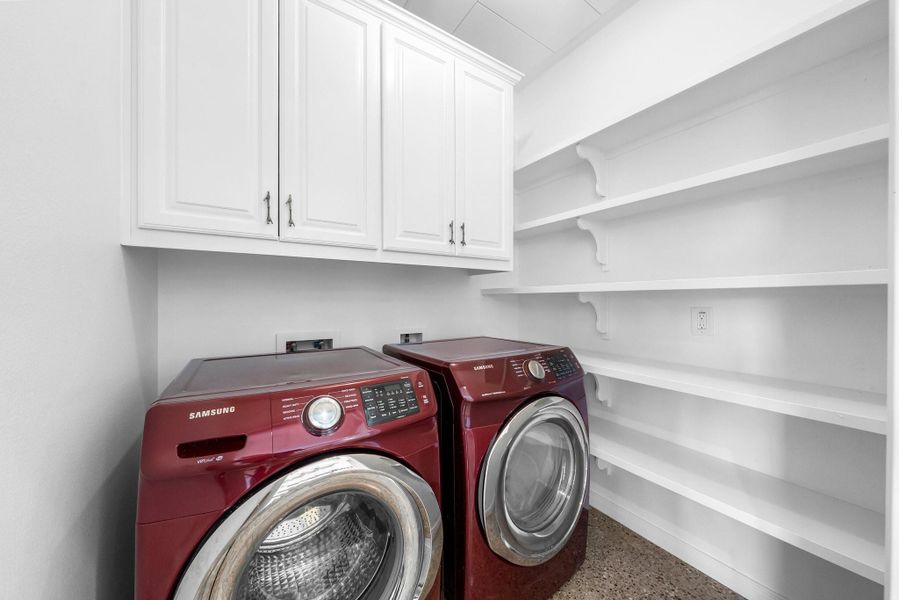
[
  {"x": 598, "y": 393},
  {"x": 600, "y": 304},
  {"x": 598, "y": 162},
  {"x": 600, "y": 237},
  {"x": 603, "y": 465}
]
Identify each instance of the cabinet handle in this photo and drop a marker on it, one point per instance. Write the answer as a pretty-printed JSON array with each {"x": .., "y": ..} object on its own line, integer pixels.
[
  {"x": 452, "y": 233},
  {"x": 289, "y": 204},
  {"x": 463, "y": 234},
  {"x": 268, "y": 208}
]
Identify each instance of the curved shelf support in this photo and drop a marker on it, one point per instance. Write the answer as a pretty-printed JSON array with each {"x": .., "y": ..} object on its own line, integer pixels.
[
  {"x": 603, "y": 465},
  {"x": 600, "y": 237},
  {"x": 599, "y": 392},
  {"x": 600, "y": 304},
  {"x": 598, "y": 162}
]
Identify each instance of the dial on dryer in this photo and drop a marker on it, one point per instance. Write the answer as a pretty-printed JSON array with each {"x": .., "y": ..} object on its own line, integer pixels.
[{"x": 535, "y": 370}]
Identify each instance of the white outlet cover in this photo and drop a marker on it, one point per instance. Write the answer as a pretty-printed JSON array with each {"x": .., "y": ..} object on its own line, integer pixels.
[{"x": 696, "y": 318}]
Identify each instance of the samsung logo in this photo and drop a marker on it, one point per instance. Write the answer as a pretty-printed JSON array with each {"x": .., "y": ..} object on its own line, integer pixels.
[
  {"x": 201, "y": 414},
  {"x": 483, "y": 367}
]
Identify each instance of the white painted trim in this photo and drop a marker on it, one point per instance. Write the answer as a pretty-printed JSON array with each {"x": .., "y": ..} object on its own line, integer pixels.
[
  {"x": 859, "y": 147},
  {"x": 215, "y": 243},
  {"x": 832, "y": 529},
  {"x": 891, "y": 589},
  {"x": 404, "y": 19},
  {"x": 679, "y": 543},
  {"x": 819, "y": 279},
  {"x": 856, "y": 409}
]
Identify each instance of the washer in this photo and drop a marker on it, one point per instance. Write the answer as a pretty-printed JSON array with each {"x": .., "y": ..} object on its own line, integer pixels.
[
  {"x": 514, "y": 461},
  {"x": 306, "y": 475}
]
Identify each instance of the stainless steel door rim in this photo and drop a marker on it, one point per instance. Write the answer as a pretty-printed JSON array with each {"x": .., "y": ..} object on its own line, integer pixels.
[
  {"x": 216, "y": 570},
  {"x": 532, "y": 537}
]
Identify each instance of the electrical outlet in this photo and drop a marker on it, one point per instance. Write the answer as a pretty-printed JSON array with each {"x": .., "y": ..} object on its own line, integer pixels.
[
  {"x": 298, "y": 341},
  {"x": 410, "y": 334},
  {"x": 701, "y": 319},
  {"x": 411, "y": 338},
  {"x": 292, "y": 346}
]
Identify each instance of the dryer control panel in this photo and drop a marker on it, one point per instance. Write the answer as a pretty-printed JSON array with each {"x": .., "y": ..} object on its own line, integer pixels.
[
  {"x": 561, "y": 364},
  {"x": 494, "y": 378}
]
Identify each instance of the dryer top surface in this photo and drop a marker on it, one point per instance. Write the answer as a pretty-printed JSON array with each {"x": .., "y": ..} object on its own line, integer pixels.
[{"x": 471, "y": 348}]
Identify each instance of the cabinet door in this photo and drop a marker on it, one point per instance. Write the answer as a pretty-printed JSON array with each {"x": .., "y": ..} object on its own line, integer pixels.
[
  {"x": 330, "y": 124},
  {"x": 419, "y": 197},
  {"x": 483, "y": 163},
  {"x": 207, "y": 116}
]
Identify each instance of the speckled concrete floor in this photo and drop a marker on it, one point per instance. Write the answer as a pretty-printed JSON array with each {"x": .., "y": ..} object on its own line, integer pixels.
[{"x": 621, "y": 565}]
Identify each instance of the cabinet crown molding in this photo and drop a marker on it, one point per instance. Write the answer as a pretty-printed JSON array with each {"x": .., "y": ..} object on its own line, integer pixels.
[{"x": 400, "y": 17}]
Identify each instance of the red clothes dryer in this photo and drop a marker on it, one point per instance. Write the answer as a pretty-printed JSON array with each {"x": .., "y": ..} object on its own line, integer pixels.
[
  {"x": 307, "y": 475},
  {"x": 514, "y": 461}
]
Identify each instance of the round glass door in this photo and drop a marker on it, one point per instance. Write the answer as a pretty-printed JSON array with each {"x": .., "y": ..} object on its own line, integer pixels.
[
  {"x": 533, "y": 482},
  {"x": 351, "y": 527}
]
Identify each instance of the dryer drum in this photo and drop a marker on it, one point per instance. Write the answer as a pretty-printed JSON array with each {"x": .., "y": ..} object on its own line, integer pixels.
[{"x": 331, "y": 549}]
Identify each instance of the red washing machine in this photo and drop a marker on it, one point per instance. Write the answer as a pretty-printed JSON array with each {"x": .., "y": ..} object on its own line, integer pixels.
[
  {"x": 514, "y": 458},
  {"x": 291, "y": 476}
]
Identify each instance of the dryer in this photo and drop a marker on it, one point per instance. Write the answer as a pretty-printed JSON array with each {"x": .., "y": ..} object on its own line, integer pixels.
[
  {"x": 515, "y": 451},
  {"x": 307, "y": 475}
]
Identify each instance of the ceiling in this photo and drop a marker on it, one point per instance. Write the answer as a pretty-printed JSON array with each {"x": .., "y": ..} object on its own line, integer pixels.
[{"x": 526, "y": 34}]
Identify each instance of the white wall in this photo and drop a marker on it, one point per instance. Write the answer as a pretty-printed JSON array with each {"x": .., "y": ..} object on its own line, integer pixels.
[
  {"x": 215, "y": 304},
  {"x": 78, "y": 355}
]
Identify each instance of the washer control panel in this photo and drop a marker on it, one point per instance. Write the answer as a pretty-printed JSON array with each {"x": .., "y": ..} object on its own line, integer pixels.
[
  {"x": 561, "y": 364},
  {"x": 389, "y": 401}
]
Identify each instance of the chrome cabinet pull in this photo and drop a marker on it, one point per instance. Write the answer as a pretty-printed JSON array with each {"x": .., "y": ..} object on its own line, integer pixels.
[
  {"x": 463, "y": 234},
  {"x": 452, "y": 234},
  {"x": 289, "y": 204},
  {"x": 268, "y": 208}
]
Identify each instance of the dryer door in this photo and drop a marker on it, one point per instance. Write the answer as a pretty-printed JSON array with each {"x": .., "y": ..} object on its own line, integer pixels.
[
  {"x": 533, "y": 481},
  {"x": 348, "y": 527}
]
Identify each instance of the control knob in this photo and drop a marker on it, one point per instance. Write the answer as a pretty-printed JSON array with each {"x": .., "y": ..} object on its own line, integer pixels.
[
  {"x": 535, "y": 370},
  {"x": 323, "y": 415}
]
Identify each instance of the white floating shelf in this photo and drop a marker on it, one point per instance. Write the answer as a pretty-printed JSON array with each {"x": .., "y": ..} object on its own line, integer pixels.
[
  {"x": 843, "y": 152},
  {"x": 822, "y": 279},
  {"x": 856, "y": 409},
  {"x": 835, "y": 32},
  {"x": 832, "y": 529}
]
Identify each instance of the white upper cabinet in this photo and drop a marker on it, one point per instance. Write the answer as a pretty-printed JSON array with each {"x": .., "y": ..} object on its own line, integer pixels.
[
  {"x": 341, "y": 129},
  {"x": 330, "y": 123},
  {"x": 207, "y": 116},
  {"x": 419, "y": 145},
  {"x": 483, "y": 163}
]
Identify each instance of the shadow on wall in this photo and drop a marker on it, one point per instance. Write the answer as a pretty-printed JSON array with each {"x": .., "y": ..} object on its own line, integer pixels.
[{"x": 116, "y": 501}]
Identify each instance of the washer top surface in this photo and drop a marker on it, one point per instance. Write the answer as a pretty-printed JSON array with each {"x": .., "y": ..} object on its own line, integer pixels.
[
  {"x": 472, "y": 348},
  {"x": 232, "y": 374}
]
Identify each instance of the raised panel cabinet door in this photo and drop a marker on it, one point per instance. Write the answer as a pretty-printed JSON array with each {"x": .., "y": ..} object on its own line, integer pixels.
[
  {"x": 330, "y": 124},
  {"x": 483, "y": 163},
  {"x": 419, "y": 155},
  {"x": 206, "y": 116}
]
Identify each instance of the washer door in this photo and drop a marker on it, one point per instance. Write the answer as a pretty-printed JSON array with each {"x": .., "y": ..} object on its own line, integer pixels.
[
  {"x": 348, "y": 527},
  {"x": 533, "y": 482}
]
